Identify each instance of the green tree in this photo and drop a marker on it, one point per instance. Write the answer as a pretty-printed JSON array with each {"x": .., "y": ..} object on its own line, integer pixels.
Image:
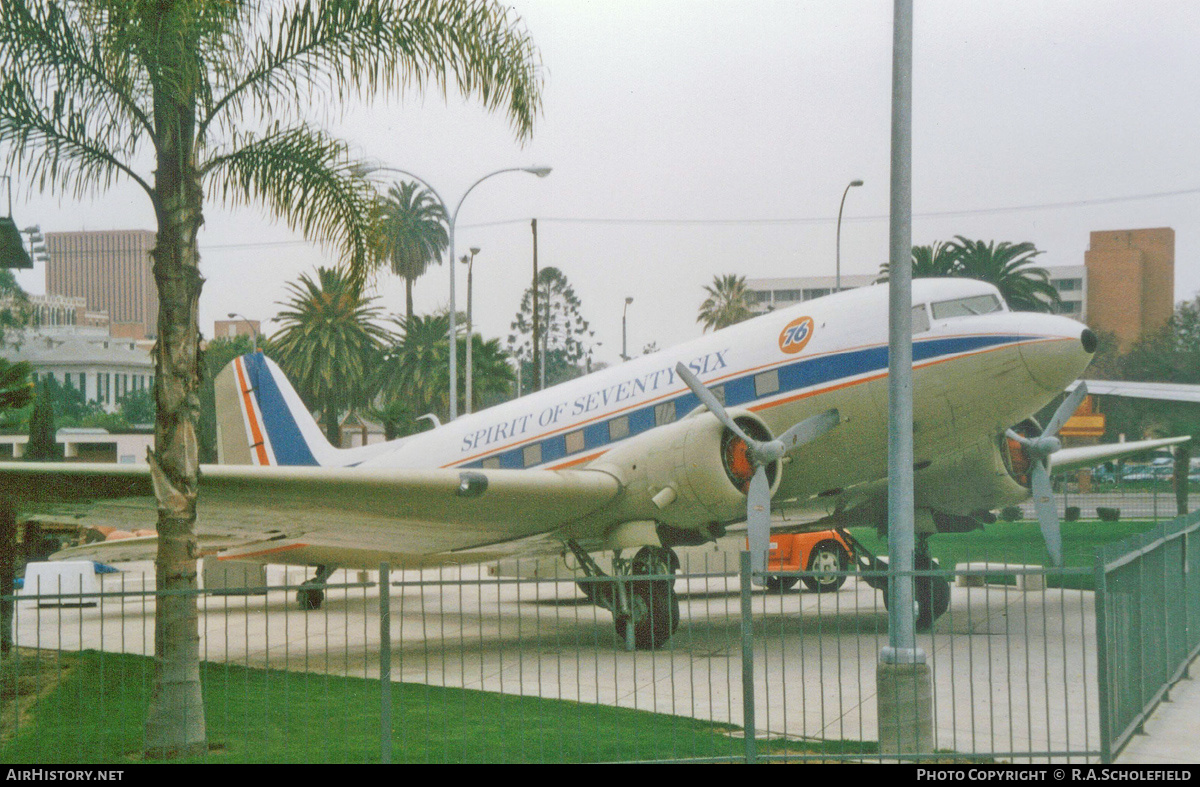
[
  {"x": 15, "y": 312},
  {"x": 1009, "y": 266},
  {"x": 410, "y": 227},
  {"x": 416, "y": 369},
  {"x": 1025, "y": 287},
  {"x": 42, "y": 446},
  {"x": 192, "y": 97},
  {"x": 492, "y": 376},
  {"x": 562, "y": 330},
  {"x": 727, "y": 302},
  {"x": 1168, "y": 355},
  {"x": 328, "y": 344}
]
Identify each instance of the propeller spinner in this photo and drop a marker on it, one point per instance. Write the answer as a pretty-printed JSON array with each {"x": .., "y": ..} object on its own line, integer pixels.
[
  {"x": 1039, "y": 450},
  {"x": 761, "y": 453}
]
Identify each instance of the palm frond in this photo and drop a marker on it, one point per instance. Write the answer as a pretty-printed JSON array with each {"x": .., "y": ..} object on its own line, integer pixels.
[
  {"x": 360, "y": 47},
  {"x": 304, "y": 176}
]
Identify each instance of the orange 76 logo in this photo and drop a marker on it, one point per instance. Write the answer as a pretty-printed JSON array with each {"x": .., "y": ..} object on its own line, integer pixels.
[{"x": 796, "y": 334}]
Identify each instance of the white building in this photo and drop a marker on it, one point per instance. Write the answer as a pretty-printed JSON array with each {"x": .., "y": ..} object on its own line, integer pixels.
[
  {"x": 769, "y": 294},
  {"x": 74, "y": 347},
  {"x": 87, "y": 445}
]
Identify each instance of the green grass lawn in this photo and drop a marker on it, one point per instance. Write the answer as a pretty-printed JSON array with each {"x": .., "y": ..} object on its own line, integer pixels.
[
  {"x": 1021, "y": 542},
  {"x": 94, "y": 715}
]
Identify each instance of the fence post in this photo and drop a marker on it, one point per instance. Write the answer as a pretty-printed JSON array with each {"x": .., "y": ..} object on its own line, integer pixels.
[
  {"x": 1102, "y": 677},
  {"x": 385, "y": 664},
  {"x": 747, "y": 659}
]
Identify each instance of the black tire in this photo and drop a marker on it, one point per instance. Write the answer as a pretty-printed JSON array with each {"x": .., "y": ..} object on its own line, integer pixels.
[
  {"x": 310, "y": 598},
  {"x": 655, "y": 614},
  {"x": 933, "y": 599},
  {"x": 656, "y": 560},
  {"x": 780, "y": 584},
  {"x": 824, "y": 557}
]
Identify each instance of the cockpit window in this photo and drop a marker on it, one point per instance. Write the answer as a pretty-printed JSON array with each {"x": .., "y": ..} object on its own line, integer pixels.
[
  {"x": 920, "y": 319},
  {"x": 966, "y": 307}
]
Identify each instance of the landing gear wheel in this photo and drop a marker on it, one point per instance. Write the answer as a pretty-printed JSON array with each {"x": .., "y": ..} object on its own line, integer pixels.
[
  {"x": 827, "y": 556},
  {"x": 933, "y": 599},
  {"x": 931, "y": 596},
  {"x": 656, "y": 560},
  {"x": 780, "y": 584},
  {"x": 654, "y": 614},
  {"x": 310, "y": 598}
]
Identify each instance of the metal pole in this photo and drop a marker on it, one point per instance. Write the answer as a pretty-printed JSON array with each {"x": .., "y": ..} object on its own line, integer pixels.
[
  {"x": 385, "y": 664},
  {"x": 1103, "y": 683},
  {"x": 838, "y": 282},
  {"x": 470, "y": 271},
  {"x": 453, "y": 333},
  {"x": 537, "y": 352},
  {"x": 902, "y": 647},
  {"x": 747, "y": 658}
]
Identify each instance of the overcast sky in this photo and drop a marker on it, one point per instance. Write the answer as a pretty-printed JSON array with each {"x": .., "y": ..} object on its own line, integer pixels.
[{"x": 753, "y": 116}]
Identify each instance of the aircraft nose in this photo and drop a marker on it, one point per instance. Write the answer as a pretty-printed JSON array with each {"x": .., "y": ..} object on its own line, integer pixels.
[{"x": 1060, "y": 352}]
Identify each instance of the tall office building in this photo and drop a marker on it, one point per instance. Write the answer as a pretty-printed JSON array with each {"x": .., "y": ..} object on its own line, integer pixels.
[
  {"x": 111, "y": 270},
  {"x": 1131, "y": 282}
]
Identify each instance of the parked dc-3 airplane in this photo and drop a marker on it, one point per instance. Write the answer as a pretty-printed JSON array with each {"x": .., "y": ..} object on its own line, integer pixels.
[{"x": 665, "y": 450}]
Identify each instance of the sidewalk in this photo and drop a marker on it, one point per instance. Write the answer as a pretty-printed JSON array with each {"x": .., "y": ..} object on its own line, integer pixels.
[{"x": 1172, "y": 734}]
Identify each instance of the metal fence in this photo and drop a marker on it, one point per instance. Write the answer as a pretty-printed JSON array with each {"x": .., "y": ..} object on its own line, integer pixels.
[
  {"x": 515, "y": 664},
  {"x": 1148, "y": 623}
]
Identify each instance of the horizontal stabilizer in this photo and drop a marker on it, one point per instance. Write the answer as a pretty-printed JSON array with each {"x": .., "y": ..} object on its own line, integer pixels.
[{"x": 1088, "y": 455}]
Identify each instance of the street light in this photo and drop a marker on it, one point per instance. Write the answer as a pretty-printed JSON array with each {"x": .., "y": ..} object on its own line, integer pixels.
[
  {"x": 470, "y": 263},
  {"x": 250, "y": 325},
  {"x": 624, "y": 352},
  {"x": 838, "y": 285},
  {"x": 365, "y": 169}
]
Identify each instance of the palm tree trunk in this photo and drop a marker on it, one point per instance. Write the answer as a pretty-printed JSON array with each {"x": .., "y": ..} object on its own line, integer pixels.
[
  {"x": 408, "y": 306},
  {"x": 175, "y": 720}
]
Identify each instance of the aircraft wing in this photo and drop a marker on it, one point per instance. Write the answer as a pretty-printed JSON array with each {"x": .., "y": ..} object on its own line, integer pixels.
[
  {"x": 1172, "y": 392},
  {"x": 1066, "y": 459},
  {"x": 321, "y": 514}
]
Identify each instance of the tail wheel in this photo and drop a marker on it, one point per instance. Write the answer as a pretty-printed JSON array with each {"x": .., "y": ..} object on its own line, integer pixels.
[{"x": 827, "y": 556}]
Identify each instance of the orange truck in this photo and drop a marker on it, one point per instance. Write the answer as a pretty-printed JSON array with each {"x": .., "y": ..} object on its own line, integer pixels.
[{"x": 824, "y": 550}]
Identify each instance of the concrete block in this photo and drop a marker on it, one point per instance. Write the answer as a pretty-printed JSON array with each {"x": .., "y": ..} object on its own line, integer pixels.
[
  {"x": 1026, "y": 582},
  {"x": 228, "y": 577},
  {"x": 905, "y": 704}
]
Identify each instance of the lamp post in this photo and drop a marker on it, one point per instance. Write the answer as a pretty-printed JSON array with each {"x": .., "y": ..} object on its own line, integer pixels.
[
  {"x": 37, "y": 243},
  {"x": 624, "y": 351},
  {"x": 470, "y": 263},
  {"x": 365, "y": 169},
  {"x": 250, "y": 325},
  {"x": 838, "y": 285}
]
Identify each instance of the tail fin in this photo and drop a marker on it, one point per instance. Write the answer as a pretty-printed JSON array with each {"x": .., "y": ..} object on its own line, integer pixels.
[{"x": 261, "y": 420}]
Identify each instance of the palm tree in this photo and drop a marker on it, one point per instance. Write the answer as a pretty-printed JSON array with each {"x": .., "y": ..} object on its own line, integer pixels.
[
  {"x": 328, "y": 345},
  {"x": 416, "y": 370},
  {"x": 165, "y": 93},
  {"x": 1025, "y": 287},
  {"x": 411, "y": 233},
  {"x": 492, "y": 376},
  {"x": 935, "y": 260},
  {"x": 726, "y": 303}
]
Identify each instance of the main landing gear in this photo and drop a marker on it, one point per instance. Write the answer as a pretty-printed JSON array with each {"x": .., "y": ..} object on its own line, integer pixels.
[
  {"x": 645, "y": 611},
  {"x": 931, "y": 594},
  {"x": 311, "y": 594}
]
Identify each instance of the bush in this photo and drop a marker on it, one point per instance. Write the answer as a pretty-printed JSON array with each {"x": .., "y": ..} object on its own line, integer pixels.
[
  {"x": 1072, "y": 514},
  {"x": 1010, "y": 513},
  {"x": 1108, "y": 514}
]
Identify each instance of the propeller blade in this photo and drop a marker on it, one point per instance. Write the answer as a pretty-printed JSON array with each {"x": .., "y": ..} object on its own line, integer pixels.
[
  {"x": 1020, "y": 438},
  {"x": 758, "y": 522},
  {"x": 809, "y": 429},
  {"x": 714, "y": 406},
  {"x": 1047, "y": 511},
  {"x": 1065, "y": 410}
]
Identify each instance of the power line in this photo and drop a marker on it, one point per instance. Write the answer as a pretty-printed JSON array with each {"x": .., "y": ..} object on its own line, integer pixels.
[{"x": 778, "y": 221}]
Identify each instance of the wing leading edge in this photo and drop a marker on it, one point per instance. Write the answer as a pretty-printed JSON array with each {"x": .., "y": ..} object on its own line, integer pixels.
[{"x": 357, "y": 511}]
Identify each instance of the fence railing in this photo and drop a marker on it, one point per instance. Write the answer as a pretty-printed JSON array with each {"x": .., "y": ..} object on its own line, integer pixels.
[
  {"x": 1148, "y": 623},
  {"x": 514, "y": 663}
]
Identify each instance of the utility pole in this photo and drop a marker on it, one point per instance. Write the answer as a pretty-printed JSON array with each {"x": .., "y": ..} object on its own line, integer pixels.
[{"x": 536, "y": 347}]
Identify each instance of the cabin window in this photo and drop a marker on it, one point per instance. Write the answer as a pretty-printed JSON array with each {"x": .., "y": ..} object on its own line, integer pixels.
[
  {"x": 920, "y": 319},
  {"x": 664, "y": 413},
  {"x": 533, "y": 454},
  {"x": 966, "y": 307},
  {"x": 575, "y": 441},
  {"x": 766, "y": 383},
  {"x": 492, "y": 463},
  {"x": 618, "y": 428},
  {"x": 719, "y": 392}
]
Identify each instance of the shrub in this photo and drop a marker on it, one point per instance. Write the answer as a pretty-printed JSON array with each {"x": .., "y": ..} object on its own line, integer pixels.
[
  {"x": 1108, "y": 514},
  {"x": 1010, "y": 513},
  {"x": 1072, "y": 514}
]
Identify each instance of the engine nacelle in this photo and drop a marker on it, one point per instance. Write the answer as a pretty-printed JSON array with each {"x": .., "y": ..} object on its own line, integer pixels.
[{"x": 691, "y": 473}]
